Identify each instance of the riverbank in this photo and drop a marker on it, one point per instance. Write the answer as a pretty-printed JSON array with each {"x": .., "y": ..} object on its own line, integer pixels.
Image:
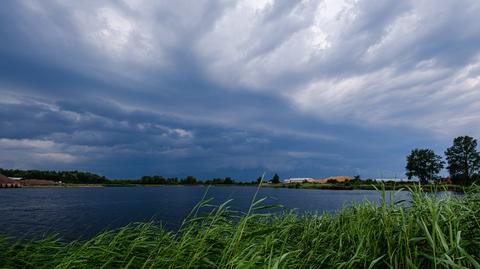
[
  {"x": 434, "y": 231},
  {"x": 309, "y": 186},
  {"x": 324, "y": 186},
  {"x": 375, "y": 186}
]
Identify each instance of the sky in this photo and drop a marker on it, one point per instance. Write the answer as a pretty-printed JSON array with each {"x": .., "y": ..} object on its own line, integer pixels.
[{"x": 235, "y": 88}]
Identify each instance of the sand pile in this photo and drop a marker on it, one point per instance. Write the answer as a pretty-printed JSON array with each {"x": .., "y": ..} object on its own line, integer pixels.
[{"x": 6, "y": 180}]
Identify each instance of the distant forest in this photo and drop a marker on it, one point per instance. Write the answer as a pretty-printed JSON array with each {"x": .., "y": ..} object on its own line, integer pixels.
[
  {"x": 64, "y": 176},
  {"x": 77, "y": 177},
  {"x": 189, "y": 180}
]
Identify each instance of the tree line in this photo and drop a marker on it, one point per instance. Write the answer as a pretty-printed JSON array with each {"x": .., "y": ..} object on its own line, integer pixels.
[
  {"x": 77, "y": 177},
  {"x": 189, "y": 180},
  {"x": 64, "y": 176},
  {"x": 462, "y": 163}
]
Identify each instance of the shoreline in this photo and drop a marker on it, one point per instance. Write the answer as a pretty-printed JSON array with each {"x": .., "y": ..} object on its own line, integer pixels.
[{"x": 304, "y": 186}]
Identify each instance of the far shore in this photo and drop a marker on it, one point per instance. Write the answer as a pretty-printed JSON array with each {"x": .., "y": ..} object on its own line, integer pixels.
[{"x": 306, "y": 186}]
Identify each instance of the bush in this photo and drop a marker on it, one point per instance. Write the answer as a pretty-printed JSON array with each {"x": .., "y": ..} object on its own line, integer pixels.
[{"x": 332, "y": 180}]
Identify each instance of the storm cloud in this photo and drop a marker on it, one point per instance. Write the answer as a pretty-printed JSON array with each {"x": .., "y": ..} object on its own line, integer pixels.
[{"x": 235, "y": 88}]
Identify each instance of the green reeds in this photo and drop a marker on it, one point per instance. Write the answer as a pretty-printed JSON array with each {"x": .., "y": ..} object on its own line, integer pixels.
[{"x": 428, "y": 231}]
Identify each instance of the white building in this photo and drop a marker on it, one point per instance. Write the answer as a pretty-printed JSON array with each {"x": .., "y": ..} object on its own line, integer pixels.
[
  {"x": 395, "y": 179},
  {"x": 297, "y": 179}
]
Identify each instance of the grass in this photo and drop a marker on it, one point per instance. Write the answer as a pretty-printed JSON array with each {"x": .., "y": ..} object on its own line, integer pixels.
[
  {"x": 432, "y": 231},
  {"x": 362, "y": 185},
  {"x": 369, "y": 186}
]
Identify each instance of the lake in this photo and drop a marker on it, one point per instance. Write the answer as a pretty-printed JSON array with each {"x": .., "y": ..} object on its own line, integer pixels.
[{"x": 75, "y": 213}]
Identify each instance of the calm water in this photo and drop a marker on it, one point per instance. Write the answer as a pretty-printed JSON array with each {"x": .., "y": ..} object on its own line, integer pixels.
[{"x": 82, "y": 212}]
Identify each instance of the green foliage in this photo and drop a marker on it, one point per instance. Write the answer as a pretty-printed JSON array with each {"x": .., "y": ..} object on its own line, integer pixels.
[
  {"x": 463, "y": 160},
  {"x": 356, "y": 180},
  {"x": 64, "y": 176},
  {"x": 424, "y": 164},
  {"x": 332, "y": 180},
  {"x": 432, "y": 231},
  {"x": 275, "y": 179},
  {"x": 189, "y": 180},
  {"x": 226, "y": 180},
  {"x": 156, "y": 180}
]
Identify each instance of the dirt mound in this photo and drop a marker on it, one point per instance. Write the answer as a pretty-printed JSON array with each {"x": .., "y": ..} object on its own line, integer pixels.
[
  {"x": 6, "y": 180},
  {"x": 340, "y": 178},
  {"x": 39, "y": 182},
  {"x": 336, "y": 178}
]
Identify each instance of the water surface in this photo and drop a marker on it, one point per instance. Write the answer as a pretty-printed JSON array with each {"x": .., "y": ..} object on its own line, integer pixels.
[{"x": 75, "y": 213}]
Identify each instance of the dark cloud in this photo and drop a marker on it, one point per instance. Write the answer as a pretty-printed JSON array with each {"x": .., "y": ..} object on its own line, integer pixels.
[{"x": 103, "y": 137}]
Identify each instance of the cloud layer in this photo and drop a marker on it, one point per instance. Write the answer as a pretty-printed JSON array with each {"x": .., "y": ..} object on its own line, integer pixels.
[{"x": 215, "y": 88}]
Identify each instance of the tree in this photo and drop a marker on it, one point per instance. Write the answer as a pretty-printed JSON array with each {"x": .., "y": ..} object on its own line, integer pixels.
[
  {"x": 423, "y": 164},
  {"x": 189, "y": 180},
  {"x": 463, "y": 160},
  {"x": 332, "y": 180},
  {"x": 356, "y": 179},
  {"x": 259, "y": 179},
  {"x": 64, "y": 176},
  {"x": 276, "y": 179},
  {"x": 228, "y": 180}
]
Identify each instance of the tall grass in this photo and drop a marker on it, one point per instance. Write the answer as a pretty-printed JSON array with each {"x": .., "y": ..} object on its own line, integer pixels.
[{"x": 432, "y": 231}]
